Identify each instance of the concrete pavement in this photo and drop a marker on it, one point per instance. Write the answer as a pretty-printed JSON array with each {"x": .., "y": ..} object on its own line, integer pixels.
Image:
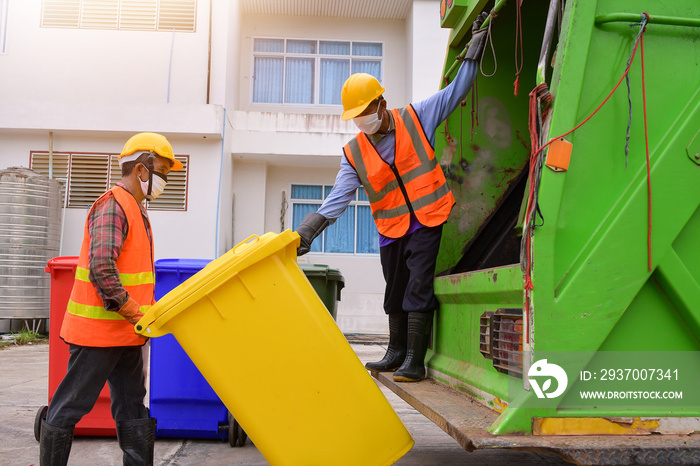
[{"x": 24, "y": 388}]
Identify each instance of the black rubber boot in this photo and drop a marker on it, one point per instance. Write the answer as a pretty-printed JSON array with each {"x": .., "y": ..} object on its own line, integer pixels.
[
  {"x": 54, "y": 444},
  {"x": 137, "y": 439},
  {"x": 396, "y": 352},
  {"x": 413, "y": 368}
]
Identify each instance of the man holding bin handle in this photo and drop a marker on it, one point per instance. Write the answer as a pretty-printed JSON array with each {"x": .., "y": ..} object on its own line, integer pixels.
[{"x": 114, "y": 286}]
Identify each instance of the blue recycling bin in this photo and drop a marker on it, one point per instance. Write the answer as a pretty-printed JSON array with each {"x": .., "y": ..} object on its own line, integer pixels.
[{"x": 181, "y": 400}]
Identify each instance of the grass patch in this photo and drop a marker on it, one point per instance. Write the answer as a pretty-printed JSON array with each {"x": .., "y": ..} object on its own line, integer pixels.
[{"x": 23, "y": 337}]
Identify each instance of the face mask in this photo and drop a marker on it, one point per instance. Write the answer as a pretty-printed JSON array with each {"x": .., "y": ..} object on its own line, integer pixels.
[
  {"x": 154, "y": 186},
  {"x": 368, "y": 124}
]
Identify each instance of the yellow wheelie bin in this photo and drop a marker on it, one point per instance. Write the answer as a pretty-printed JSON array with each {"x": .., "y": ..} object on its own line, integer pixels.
[{"x": 254, "y": 326}]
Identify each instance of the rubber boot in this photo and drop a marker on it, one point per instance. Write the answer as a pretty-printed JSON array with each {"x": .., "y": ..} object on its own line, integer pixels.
[
  {"x": 413, "y": 368},
  {"x": 137, "y": 439},
  {"x": 396, "y": 352},
  {"x": 54, "y": 444}
]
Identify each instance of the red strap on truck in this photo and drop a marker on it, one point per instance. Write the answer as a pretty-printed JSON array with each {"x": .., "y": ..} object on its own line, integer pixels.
[{"x": 542, "y": 92}]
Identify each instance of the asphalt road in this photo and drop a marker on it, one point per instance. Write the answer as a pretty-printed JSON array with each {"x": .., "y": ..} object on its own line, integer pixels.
[{"x": 24, "y": 388}]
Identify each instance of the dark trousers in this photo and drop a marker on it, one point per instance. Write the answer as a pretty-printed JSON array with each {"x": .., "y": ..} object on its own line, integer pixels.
[
  {"x": 88, "y": 370},
  {"x": 409, "y": 269}
]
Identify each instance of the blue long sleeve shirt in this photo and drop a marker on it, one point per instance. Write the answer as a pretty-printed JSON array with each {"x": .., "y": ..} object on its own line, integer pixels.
[{"x": 431, "y": 112}]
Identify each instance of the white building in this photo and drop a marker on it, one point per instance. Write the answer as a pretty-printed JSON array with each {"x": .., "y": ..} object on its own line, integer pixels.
[{"x": 246, "y": 91}]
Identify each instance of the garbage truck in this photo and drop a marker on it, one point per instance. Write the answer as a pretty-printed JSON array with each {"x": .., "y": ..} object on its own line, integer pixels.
[{"x": 569, "y": 318}]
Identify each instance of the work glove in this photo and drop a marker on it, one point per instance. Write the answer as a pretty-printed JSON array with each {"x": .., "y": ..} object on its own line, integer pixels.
[
  {"x": 131, "y": 311},
  {"x": 476, "y": 49},
  {"x": 309, "y": 228}
]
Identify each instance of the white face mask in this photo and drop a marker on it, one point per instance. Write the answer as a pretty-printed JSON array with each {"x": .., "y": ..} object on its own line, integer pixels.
[
  {"x": 368, "y": 124},
  {"x": 157, "y": 184}
]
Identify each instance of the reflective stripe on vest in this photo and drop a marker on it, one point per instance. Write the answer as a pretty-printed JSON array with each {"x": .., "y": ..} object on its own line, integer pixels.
[
  {"x": 127, "y": 279},
  {"x": 87, "y": 322},
  {"x": 426, "y": 190},
  {"x": 96, "y": 312}
]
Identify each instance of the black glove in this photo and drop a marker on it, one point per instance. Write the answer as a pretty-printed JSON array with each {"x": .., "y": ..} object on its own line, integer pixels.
[
  {"x": 476, "y": 49},
  {"x": 309, "y": 228}
]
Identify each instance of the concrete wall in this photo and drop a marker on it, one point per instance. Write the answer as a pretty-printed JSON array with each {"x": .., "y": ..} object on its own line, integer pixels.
[
  {"x": 95, "y": 88},
  {"x": 174, "y": 232},
  {"x": 275, "y": 146},
  {"x": 272, "y": 151},
  {"x": 86, "y": 65},
  {"x": 426, "y": 43}
]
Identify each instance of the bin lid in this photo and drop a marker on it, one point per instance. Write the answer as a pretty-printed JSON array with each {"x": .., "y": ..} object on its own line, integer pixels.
[
  {"x": 180, "y": 265},
  {"x": 243, "y": 255},
  {"x": 321, "y": 270},
  {"x": 62, "y": 262}
]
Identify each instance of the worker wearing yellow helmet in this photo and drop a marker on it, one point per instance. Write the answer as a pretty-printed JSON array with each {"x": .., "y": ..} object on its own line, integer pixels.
[
  {"x": 149, "y": 149},
  {"x": 113, "y": 288},
  {"x": 392, "y": 157}
]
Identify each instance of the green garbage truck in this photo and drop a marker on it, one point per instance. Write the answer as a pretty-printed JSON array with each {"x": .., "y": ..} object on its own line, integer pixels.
[{"x": 569, "y": 271}]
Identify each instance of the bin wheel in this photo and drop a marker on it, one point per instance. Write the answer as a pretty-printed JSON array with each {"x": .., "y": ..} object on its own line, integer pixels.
[
  {"x": 236, "y": 434},
  {"x": 232, "y": 431},
  {"x": 40, "y": 415},
  {"x": 242, "y": 436}
]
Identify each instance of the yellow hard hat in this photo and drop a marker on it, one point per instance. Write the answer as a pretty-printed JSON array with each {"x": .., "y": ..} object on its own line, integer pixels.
[
  {"x": 149, "y": 142},
  {"x": 358, "y": 92}
]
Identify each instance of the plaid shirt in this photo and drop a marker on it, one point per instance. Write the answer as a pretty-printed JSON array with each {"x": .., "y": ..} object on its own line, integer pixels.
[{"x": 108, "y": 228}]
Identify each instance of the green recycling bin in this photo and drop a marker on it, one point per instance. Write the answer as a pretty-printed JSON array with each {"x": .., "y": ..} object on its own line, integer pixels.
[{"x": 327, "y": 282}]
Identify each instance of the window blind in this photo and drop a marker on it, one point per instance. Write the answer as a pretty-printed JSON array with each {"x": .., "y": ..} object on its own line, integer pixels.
[
  {"x": 145, "y": 15},
  {"x": 90, "y": 175}
]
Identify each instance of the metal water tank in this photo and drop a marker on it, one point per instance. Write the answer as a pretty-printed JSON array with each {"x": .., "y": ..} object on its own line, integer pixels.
[{"x": 30, "y": 216}]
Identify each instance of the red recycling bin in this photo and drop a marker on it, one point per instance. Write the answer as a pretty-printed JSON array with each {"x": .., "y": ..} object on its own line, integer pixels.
[{"x": 98, "y": 421}]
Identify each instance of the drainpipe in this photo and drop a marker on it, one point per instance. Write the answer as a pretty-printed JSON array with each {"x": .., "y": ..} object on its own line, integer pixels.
[
  {"x": 65, "y": 198},
  {"x": 209, "y": 55},
  {"x": 50, "y": 154},
  {"x": 218, "y": 197},
  {"x": 63, "y": 217},
  {"x": 170, "y": 66}
]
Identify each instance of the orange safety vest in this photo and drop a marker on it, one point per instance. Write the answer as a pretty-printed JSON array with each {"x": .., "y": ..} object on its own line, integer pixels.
[
  {"x": 87, "y": 322},
  {"x": 414, "y": 184}
]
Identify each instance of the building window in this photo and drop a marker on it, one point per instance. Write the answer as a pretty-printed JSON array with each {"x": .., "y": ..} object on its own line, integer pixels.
[
  {"x": 143, "y": 15},
  {"x": 88, "y": 176},
  {"x": 309, "y": 72},
  {"x": 355, "y": 230}
]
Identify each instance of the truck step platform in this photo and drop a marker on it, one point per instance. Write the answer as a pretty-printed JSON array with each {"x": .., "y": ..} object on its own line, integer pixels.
[{"x": 467, "y": 421}]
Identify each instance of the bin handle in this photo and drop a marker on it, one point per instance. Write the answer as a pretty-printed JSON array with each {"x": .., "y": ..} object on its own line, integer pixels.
[{"x": 245, "y": 242}]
